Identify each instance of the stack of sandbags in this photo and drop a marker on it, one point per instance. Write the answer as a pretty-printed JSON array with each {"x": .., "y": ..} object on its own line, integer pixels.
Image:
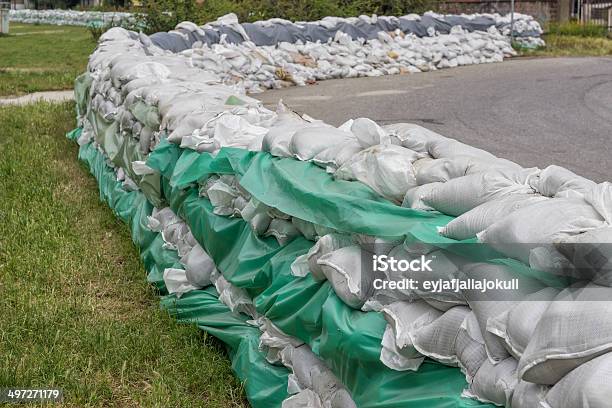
[
  {"x": 513, "y": 346},
  {"x": 69, "y": 17},
  {"x": 264, "y": 67}
]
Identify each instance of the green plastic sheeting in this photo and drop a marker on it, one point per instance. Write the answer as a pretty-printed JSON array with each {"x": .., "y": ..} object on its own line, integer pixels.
[
  {"x": 265, "y": 384},
  {"x": 349, "y": 341},
  {"x": 297, "y": 188}
]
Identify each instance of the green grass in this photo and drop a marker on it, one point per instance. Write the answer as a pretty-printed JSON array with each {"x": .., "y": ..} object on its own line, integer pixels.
[
  {"x": 42, "y": 57},
  {"x": 576, "y": 29},
  {"x": 568, "y": 46},
  {"x": 77, "y": 312}
]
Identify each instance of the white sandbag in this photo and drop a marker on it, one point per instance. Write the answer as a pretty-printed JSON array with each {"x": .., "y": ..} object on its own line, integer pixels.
[
  {"x": 437, "y": 339},
  {"x": 350, "y": 277},
  {"x": 600, "y": 197},
  {"x": 587, "y": 386},
  {"x": 452, "y": 167},
  {"x": 306, "y": 143},
  {"x": 517, "y": 324},
  {"x": 368, "y": 133},
  {"x": 333, "y": 157},
  {"x": 439, "y": 268},
  {"x": 556, "y": 181},
  {"x": 413, "y": 136},
  {"x": 387, "y": 169},
  {"x": 494, "y": 302},
  {"x": 305, "y": 228},
  {"x": 304, "y": 399},
  {"x": 198, "y": 267},
  {"x": 540, "y": 224},
  {"x": 312, "y": 372},
  {"x": 221, "y": 196},
  {"x": 414, "y": 197},
  {"x": 528, "y": 395},
  {"x": 470, "y": 347},
  {"x": 449, "y": 148},
  {"x": 237, "y": 299},
  {"x": 395, "y": 358},
  {"x": 279, "y": 136},
  {"x": 283, "y": 230},
  {"x": 326, "y": 244},
  {"x": 590, "y": 254},
  {"x": 161, "y": 218},
  {"x": 494, "y": 383},
  {"x": 462, "y": 194},
  {"x": 256, "y": 214},
  {"x": 575, "y": 328},
  {"x": 403, "y": 317},
  {"x": 468, "y": 224},
  {"x": 176, "y": 281}
]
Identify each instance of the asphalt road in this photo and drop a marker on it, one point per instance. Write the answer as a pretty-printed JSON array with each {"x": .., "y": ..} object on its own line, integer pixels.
[{"x": 536, "y": 112}]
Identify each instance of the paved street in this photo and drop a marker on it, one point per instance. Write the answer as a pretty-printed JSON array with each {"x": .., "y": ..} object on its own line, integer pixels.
[{"x": 534, "y": 111}]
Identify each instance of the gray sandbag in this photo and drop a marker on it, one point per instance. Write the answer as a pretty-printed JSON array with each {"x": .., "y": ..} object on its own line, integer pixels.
[
  {"x": 306, "y": 228},
  {"x": 437, "y": 340},
  {"x": 575, "y": 328},
  {"x": 517, "y": 324},
  {"x": 283, "y": 230},
  {"x": 540, "y": 224},
  {"x": 468, "y": 224},
  {"x": 176, "y": 281},
  {"x": 403, "y": 317},
  {"x": 588, "y": 386},
  {"x": 528, "y": 395},
  {"x": 449, "y": 148},
  {"x": 326, "y": 244},
  {"x": 198, "y": 267},
  {"x": 413, "y": 136},
  {"x": 256, "y": 214},
  {"x": 462, "y": 194},
  {"x": 494, "y": 383},
  {"x": 396, "y": 358},
  {"x": 315, "y": 375},
  {"x": 278, "y": 139},
  {"x": 350, "y": 277},
  {"x": 494, "y": 302},
  {"x": 449, "y": 168},
  {"x": 368, "y": 133},
  {"x": 414, "y": 197},
  {"x": 470, "y": 347},
  {"x": 556, "y": 181},
  {"x": 591, "y": 254},
  {"x": 303, "y": 399},
  {"x": 387, "y": 169},
  {"x": 308, "y": 142}
]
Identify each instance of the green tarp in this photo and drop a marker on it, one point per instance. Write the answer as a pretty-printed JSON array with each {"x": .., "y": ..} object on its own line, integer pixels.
[{"x": 347, "y": 340}]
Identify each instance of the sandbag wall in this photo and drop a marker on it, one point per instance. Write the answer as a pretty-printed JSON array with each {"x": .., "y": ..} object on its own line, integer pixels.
[
  {"x": 68, "y": 17},
  {"x": 262, "y": 219}
]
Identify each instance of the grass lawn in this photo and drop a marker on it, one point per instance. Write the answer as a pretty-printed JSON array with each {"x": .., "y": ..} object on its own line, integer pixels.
[
  {"x": 77, "y": 311},
  {"x": 571, "y": 46},
  {"x": 42, "y": 57}
]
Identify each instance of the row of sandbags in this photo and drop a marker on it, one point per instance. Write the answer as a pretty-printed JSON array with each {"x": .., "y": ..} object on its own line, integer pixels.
[
  {"x": 400, "y": 162},
  {"x": 494, "y": 337},
  {"x": 148, "y": 90},
  {"x": 275, "y": 30},
  {"x": 284, "y": 64},
  {"x": 495, "y": 200},
  {"x": 68, "y": 17},
  {"x": 311, "y": 382}
]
